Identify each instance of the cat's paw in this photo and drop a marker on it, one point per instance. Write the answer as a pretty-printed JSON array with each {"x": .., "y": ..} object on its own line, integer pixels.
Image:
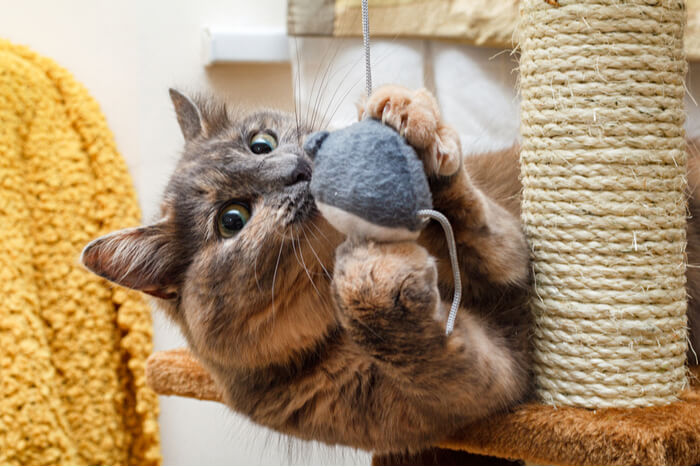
[
  {"x": 416, "y": 116},
  {"x": 383, "y": 281}
]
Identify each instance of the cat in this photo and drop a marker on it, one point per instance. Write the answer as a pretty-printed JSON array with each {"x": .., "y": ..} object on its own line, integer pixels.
[{"x": 321, "y": 337}]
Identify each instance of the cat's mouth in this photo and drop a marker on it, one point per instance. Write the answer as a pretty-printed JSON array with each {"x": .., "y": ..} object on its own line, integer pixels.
[{"x": 301, "y": 205}]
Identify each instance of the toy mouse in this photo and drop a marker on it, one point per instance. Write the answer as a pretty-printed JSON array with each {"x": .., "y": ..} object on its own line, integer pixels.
[{"x": 367, "y": 181}]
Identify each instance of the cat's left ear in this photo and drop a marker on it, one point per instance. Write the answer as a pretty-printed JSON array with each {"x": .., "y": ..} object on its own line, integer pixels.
[
  {"x": 188, "y": 115},
  {"x": 141, "y": 258}
]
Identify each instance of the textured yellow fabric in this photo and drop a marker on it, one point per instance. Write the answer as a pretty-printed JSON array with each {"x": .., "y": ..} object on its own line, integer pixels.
[{"x": 72, "y": 347}]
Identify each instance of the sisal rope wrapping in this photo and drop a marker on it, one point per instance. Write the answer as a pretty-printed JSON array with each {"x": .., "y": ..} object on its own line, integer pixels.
[{"x": 603, "y": 171}]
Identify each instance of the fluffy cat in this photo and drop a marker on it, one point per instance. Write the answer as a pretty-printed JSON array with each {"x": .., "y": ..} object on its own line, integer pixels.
[{"x": 323, "y": 338}]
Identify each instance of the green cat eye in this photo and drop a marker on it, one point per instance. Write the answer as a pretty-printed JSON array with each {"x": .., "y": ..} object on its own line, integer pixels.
[
  {"x": 232, "y": 219},
  {"x": 262, "y": 143}
]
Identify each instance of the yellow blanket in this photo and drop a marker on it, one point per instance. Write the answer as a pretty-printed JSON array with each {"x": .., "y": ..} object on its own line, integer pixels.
[{"x": 72, "y": 347}]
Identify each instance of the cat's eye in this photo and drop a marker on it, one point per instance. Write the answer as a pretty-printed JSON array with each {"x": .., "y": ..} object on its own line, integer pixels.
[
  {"x": 262, "y": 143},
  {"x": 232, "y": 219}
]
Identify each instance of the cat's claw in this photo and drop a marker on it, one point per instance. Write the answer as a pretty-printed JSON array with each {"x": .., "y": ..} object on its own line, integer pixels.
[
  {"x": 415, "y": 115},
  {"x": 389, "y": 119},
  {"x": 448, "y": 144}
]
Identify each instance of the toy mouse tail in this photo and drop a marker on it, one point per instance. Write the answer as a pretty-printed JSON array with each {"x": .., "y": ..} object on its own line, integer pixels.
[{"x": 452, "y": 247}]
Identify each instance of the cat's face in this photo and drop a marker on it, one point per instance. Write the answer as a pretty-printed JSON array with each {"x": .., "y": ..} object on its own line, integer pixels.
[{"x": 239, "y": 233}]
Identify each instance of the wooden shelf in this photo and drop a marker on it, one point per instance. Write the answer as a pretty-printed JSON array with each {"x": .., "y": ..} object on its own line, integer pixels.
[{"x": 532, "y": 432}]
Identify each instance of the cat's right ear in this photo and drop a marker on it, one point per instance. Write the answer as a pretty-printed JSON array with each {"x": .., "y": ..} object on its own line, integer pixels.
[
  {"x": 141, "y": 258},
  {"x": 188, "y": 115}
]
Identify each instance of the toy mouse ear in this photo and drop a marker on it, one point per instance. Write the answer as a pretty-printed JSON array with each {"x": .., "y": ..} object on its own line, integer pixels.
[{"x": 314, "y": 141}]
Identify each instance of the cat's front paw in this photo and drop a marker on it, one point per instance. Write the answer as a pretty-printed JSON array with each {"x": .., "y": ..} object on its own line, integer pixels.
[
  {"x": 382, "y": 283},
  {"x": 416, "y": 116}
]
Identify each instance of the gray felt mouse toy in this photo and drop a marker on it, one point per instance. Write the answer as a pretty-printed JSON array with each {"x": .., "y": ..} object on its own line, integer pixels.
[{"x": 367, "y": 181}]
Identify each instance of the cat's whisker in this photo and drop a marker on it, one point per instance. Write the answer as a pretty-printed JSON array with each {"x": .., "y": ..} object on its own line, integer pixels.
[
  {"x": 280, "y": 232},
  {"x": 294, "y": 237},
  {"x": 302, "y": 263},
  {"x": 301, "y": 252},
  {"x": 313, "y": 108},
  {"x": 315, "y": 98},
  {"x": 331, "y": 101},
  {"x": 323, "y": 85},
  {"x": 274, "y": 277},
  {"x": 318, "y": 240},
  {"x": 309, "y": 106},
  {"x": 297, "y": 86},
  {"x": 255, "y": 273},
  {"x": 311, "y": 92},
  {"x": 312, "y": 223},
  {"x": 342, "y": 99},
  {"x": 280, "y": 236},
  {"x": 313, "y": 250},
  {"x": 315, "y": 253},
  {"x": 340, "y": 102}
]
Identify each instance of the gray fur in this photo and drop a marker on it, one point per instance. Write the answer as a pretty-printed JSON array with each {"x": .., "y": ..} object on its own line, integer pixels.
[{"x": 369, "y": 170}]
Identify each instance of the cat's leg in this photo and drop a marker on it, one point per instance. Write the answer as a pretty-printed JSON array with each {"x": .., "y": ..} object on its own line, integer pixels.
[
  {"x": 492, "y": 249},
  {"x": 390, "y": 306}
]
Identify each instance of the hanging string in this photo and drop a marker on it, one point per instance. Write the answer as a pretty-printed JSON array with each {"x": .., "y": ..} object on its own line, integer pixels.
[
  {"x": 444, "y": 222},
  {"x": 365, "y": 40}
]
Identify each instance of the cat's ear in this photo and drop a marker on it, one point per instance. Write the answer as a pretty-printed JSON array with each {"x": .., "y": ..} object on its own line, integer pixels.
[
  {"x": 141, "y": 258},
  {"x": 188, "y": 115}
]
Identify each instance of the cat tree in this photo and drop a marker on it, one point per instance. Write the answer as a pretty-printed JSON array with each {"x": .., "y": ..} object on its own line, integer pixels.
[{"x": 603, "y": 170}]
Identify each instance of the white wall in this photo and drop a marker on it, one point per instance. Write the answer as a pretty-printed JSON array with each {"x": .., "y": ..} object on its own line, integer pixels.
[{"x": 127, "y": 53}]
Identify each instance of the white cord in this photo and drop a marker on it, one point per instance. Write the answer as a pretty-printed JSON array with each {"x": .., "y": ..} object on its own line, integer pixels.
[
  {"x": 452, "y": 248},
  {"x": 365, "y": 39}
]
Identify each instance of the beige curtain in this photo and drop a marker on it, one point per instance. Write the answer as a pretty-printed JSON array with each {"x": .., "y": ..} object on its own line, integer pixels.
[{"x": 479, "y": 22}]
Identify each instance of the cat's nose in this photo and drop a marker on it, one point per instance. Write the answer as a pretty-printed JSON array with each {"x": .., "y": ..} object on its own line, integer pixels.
[{"x": 300, "y": 173}]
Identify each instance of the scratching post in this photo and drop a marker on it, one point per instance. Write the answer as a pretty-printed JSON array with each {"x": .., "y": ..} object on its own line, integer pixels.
[{"x": 603, "y": 171}]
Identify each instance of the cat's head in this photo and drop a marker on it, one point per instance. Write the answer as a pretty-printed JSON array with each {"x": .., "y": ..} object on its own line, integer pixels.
[{"x": 240, "y": 241}]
